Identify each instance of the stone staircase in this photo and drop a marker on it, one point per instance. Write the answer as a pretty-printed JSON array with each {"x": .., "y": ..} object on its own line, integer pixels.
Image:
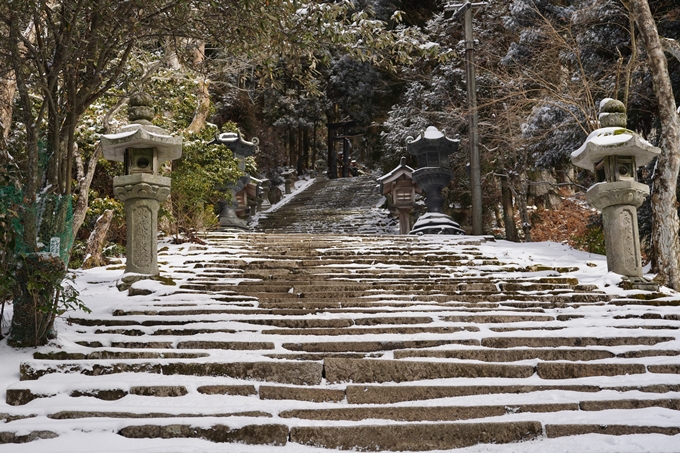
[
  {"x": 336, "y": 206},
  {"x": 354, "y": 342}
]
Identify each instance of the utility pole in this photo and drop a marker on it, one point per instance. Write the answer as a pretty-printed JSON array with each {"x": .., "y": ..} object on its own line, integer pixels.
[{"x": 465, "y": 10}]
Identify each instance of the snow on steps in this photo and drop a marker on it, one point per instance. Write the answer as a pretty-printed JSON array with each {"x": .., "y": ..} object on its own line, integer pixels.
[
  {"x": 346, "y": 205},
  {"x": 357, "y": 342}
]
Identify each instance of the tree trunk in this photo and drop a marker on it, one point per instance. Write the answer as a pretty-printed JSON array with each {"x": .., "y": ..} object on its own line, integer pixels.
[
  {"x": 631, "y": 60},
  {"x": 672, "y": 47},
  {"x": 202, "y": 109},
  {"x": 305, "y": 150},
  {"x": 8, "y": 86},
  {"x": 665, "y": 240},
  {"x": 35, "y": 300},
  {"x": 202, "y": 96},
  {"x": 85, "y": 176},
  {"x": 314, "y": 147},
  {"x": 508, "y": 211},
  {"x": 95, "y": 244},
  {"x": 521, "y": 186}
]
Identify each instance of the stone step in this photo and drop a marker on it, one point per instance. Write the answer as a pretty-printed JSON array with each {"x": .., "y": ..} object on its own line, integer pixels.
[
  {"x": 452, "y": 413},
  {"x": 21, "y": 396},
  {"x": 265, "y": 341},
  {"x": 259, "y": 434},
  {"x": 337, "y": 322},
  {"x": 355, "y": 287},
  {"x": 366, "y": 394},
  {"x": 497, "y": 319},
  {"x": 512, "y": 355},
  {"x": 373, "y": 346},
  {"x": 160, "y": 332},
  {"x": 418, "y": 262},
  {"x": 427, "y": 413},
  {"x": 414, "y": 437},
  {"x": 556, "y": 342},
  {"x": 371, "y": 331},
  {"x": 307, "y": 307},
  {"x": 556, "y": 430},
  {"x": 72, "y": 415},
  {"x": 375, "y": 371},
  {"x": 390, "y": 394},
  {"x": 508, "y": 300},
  {"x": 299, "y": 373},
  {"x": 118, "y": 355}
]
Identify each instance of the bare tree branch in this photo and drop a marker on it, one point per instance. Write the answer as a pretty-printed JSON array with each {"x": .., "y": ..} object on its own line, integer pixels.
[{"x": 671, "y": 46}]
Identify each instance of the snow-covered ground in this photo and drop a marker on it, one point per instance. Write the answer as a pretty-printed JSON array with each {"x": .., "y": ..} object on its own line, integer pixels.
[{"x": 98, "y": 292}]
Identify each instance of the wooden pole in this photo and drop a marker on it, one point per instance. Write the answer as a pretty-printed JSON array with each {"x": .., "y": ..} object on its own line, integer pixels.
[{"x": 465, "y": 10}]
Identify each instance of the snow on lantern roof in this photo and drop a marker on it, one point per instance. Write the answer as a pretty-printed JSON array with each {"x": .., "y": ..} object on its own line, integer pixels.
[
  {"x": 401, "y": 171},
  {"x": 432, "y": 148},
  {"x": 432, "y": 137},
  {"x": 235, "y": 142},
  {"x": 613, "y": 141},
  {"x": 141, "y": 136}
]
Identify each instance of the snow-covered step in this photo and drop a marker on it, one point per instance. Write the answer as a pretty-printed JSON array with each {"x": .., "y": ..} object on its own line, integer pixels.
[
  {"x": 391, "y": 394},
  {"x": 356, "y": 342},
  {"x": 272, "y": 371},
  {"x": 415, "y": 437}
]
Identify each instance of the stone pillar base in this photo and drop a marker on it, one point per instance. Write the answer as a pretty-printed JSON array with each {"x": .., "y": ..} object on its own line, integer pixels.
[
  {"x": 142, "y": 194},
  {"x": 641, "y": 283},
  {"x": 229, "y": 219},
  {"x": 619, "y": 201}
]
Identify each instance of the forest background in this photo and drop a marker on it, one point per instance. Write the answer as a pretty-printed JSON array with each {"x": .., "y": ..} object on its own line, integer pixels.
[{"x": 281, "y": 70}]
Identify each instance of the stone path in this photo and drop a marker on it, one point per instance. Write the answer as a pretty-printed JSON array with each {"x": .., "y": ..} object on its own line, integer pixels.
[
  {"x": 357, "y": 342},
  {"x": 336, "y": 206}
]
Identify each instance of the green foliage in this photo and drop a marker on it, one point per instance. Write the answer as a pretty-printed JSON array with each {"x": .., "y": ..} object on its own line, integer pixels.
[
  {"x": 97, "y": 207},
  {"x": 43, "y": 292},
  {"x": 111, "y": 250},
  {"x": 77, "y": 254},
  {"x": 251, "y": 165},
  {"x": 199, "y": 178},
  {"x": 9, "y": 204},
  {"x": 92, "y": 122},
  {"x": 592, "y": 240},
  {"x": 174, "y": 99}
]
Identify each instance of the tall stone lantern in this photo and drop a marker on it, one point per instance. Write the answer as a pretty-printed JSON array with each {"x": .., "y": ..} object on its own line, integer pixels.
[
  {"x": 241, "y": 149},
  {"x": 614, "y": 153},
  {"x": 142, "y": 148},
  {"x": 432, "y": 149}
]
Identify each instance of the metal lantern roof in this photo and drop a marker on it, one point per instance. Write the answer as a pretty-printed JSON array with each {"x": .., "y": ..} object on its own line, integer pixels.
[
  {"x": 432, "y": 148},
  {"x": 235, "y": 142}
]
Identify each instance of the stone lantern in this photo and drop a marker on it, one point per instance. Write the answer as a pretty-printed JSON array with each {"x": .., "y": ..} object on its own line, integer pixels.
[
  {"x": 142, "y": 148},
  {"x": 432, "y": 149},
  {"x": 614, "y": 153},
  {"x": 241, "y": 149},
  {"x": 288, "y": 179},
  {"x": 400, "y": 189}
]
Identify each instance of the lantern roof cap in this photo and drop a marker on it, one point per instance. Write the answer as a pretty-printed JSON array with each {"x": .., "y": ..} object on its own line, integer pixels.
[
  {"x": 399, "y": 170},
  {"x": 613, "y": 141},
  {"x": 402, "y": 171},
  {"x": 141, "y": 136},
  {"x": 431, "y": 139},
  {"x": 235, "y": 142}
]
